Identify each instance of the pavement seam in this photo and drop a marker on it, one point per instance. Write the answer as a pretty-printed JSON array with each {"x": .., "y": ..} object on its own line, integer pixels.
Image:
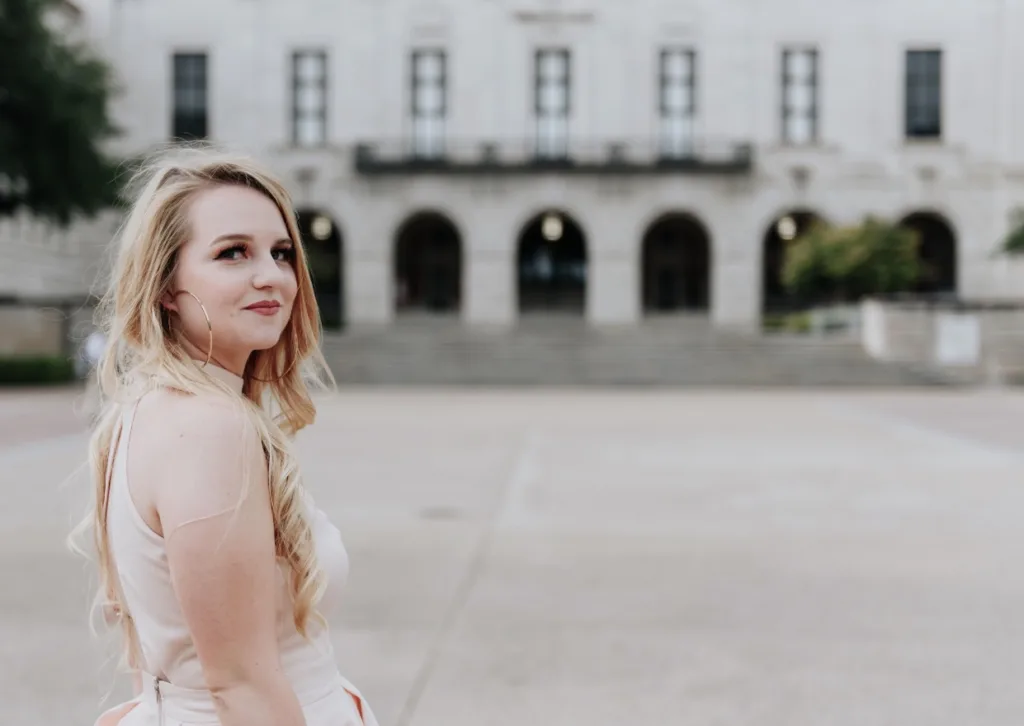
[{"x": 509, "y": 497}]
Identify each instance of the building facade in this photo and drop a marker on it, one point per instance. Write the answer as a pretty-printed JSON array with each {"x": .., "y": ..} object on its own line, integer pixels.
[{"x": 490, "y": 160}]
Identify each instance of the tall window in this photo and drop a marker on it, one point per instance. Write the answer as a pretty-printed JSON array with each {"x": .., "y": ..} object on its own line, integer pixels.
[
  {"x": 551, "y": 102},
  {"x": 799, "y": 96},
  {"x": 924, "y": 94},
  {"x": 309, "y": 98},
  {"x": 190, "y": 115},
  {"x": 677, "y": 101},
  {"x": 429, "y": 102}
]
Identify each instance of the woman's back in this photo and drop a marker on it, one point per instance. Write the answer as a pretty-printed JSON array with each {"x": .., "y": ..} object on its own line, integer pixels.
[
  {"x": 213, "y": 559},
  {"x": 138, "y": 543}
]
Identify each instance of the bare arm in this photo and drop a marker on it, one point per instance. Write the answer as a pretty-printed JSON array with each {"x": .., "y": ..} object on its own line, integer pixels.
[{"x": 223, "y": 562}]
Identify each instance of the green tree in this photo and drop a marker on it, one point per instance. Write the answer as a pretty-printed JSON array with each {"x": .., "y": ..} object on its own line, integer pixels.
[
  {"x": 844, "y": 264},
  {"x": 54, "y": 93},
  {"x": 1014, "y": 242},
  {"x": 806, "y": 271}
]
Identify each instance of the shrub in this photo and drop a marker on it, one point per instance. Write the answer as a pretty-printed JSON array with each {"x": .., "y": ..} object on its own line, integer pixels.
[
  {"x": 1014, "y": 242},
  {"x": 845, "y": 264},
  {"x": 788, "y": 322},
  {"x": 35, "y": 370}
]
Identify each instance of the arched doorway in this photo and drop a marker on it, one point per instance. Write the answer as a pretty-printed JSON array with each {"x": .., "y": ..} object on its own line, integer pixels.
[
  {"x": 676, "y": 265},
  {"x": 551, "y": 265},
  {"x": 428, "y": 265},
  {"x": 322, "y": 242},
  {"x": 783, "y": 230},
  {"x": 936, "y": 251}
]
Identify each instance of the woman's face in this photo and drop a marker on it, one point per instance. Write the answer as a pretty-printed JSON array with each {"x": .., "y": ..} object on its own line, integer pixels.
[{"x": 239, "y": 261}]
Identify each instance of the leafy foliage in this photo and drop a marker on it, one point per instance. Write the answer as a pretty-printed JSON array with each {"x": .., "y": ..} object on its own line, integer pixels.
[
  {"x": 845, "y": 264},
  {"x": 1014, "y": 242},
  {"x": 53, "y": 117},
  {"x": 35, "y": 370}
]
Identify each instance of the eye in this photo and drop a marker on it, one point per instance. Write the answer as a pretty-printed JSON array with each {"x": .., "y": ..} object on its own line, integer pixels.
[
  {"x": 284, "y": 254},
  {"x": 231, "y": 253}
]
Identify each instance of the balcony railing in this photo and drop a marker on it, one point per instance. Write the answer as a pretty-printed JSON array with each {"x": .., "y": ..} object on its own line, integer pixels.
[{"x": 521, "y": 157}]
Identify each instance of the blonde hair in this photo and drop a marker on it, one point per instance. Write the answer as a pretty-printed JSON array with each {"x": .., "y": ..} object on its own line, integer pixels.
[{"x": 145, "y": 352}]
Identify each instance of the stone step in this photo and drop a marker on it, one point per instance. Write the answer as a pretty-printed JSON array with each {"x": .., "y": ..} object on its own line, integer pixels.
[{"x": 684, "y": 352}]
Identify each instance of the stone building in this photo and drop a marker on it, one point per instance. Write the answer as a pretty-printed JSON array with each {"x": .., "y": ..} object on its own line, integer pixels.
[{"x": 489, "y": 160}]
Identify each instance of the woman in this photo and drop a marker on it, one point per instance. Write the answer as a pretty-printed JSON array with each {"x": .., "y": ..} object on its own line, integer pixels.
[{"x": 212, "y": 557}]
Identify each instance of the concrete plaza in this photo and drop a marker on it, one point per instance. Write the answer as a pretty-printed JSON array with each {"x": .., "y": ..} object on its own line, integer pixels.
[{"x": 782, "y": 558}]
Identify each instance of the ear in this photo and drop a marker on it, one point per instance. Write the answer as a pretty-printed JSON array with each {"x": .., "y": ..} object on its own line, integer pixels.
[{"x": 167, "y": 302}]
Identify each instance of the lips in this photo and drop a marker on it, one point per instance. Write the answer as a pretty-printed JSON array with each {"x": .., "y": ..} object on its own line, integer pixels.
[{"x": 264, "y": 306}]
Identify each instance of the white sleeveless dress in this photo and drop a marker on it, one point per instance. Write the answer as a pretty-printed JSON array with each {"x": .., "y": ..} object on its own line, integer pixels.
[{"x": 174, "y": 692}]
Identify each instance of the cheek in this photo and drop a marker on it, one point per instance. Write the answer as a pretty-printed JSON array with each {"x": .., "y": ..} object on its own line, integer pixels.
[
  {"x": 227, "y": 285},
  {"x": 222, "y": 293},
  {"x": 290, "y": 288},
  {"x": 188, "y": 282}
]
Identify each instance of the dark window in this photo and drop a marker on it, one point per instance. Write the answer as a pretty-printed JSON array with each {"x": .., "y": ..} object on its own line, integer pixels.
[
  {"x": 677, "y": 101},
  {"x": 799, "y": 96},
  {"x": 429, "y": 102},
  {"x": 309, "y": 98},
  {"x": 924, "y": 94},
  {"x": 191, "y": 111},
  {"x": 551, "y": 102}
]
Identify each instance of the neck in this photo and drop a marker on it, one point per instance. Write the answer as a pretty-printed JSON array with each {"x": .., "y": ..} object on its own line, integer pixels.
[{"x": 235, "y": 368}]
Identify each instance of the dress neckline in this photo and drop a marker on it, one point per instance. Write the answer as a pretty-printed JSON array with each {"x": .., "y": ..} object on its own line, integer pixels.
[{"x": 236, "y": 382}]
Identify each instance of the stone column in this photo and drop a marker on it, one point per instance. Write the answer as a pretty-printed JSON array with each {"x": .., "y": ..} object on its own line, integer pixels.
[
  {"x": 367, "y": 291},
  {"x": 488, "y": 254},
  {"x": 736, "y": 277},
  {"x": 487, "y": 287},
  {"x": 613, "y": 294},
  {"x": 368, "y": 276},
  {"x": 613, "y": 275}
]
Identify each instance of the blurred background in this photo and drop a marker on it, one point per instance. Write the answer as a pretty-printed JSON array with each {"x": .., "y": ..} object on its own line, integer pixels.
[
  {"x": 678, "y": 342},
  {"x": 561, "y": 192}
]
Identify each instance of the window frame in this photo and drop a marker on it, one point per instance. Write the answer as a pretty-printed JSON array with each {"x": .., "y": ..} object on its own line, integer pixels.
[
  {"x": 788, "y": 110},
  {"x": 913, "y": 105},
  {"x": 559, "y": 148},
  {"x": 187, "y": 81},
  {"x": 428, "y": 145},
  {"x": 321, "y": 114},
  {"x": 667, "y": 142}
]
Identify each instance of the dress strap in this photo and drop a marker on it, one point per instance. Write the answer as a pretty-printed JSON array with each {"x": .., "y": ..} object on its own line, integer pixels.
[
  {"x": 115, "y": 441},
  {"x": 114, "y": 585},
  {"x": 114, "y": 444}
]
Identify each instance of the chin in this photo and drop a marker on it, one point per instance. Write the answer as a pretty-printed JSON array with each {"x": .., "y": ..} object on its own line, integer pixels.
[{"x": 264, "y": 342}]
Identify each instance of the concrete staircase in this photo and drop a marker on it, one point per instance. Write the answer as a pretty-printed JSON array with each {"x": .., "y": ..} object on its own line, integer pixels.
[{"x": 673, "y": 351}]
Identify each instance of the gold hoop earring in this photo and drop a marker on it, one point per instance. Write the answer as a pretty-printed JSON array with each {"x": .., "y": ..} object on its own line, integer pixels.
[{"x": 209, "y": 325}]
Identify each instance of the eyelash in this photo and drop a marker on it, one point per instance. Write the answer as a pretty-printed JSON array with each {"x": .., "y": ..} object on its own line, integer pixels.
[{"x": 288, "y": 252}]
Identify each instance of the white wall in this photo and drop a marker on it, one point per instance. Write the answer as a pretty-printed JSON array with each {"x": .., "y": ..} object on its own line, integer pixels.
[
  {"x": 44, "y": 261},
  {"x": 614, "y": 58},
  {"x": 975, "y": 175}
]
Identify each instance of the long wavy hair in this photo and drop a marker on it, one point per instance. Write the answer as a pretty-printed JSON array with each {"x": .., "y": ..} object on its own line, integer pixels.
[{"x": 145, "y": 351}]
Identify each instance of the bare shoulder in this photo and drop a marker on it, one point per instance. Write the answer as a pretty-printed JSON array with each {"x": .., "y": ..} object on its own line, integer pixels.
[
  {"x": 193, "y": 455},
  {"x": 189, "y": 431},
  {"x": 181, "y": 416}
]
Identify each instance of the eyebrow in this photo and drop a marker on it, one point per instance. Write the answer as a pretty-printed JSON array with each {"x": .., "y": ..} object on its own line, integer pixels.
[{"x": 239, "y": 237}]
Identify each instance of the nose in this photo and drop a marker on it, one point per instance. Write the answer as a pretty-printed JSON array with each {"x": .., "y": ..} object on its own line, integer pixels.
[{"x": 268, "y": 272}]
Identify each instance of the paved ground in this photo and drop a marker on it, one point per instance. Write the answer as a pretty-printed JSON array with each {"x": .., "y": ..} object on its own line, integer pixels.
[{"x": 761, "y": 559}]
